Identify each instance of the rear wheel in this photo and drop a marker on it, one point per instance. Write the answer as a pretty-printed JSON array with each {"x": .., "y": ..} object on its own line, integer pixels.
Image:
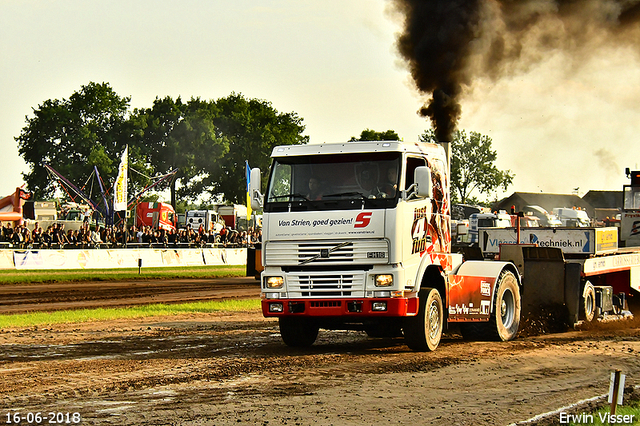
[
  {"x": 505, "y": 320},
  {"x": 424, "y": 331},
  {"x": 298, "y": 332}
]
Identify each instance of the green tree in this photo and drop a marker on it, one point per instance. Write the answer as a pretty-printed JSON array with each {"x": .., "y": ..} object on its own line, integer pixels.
[
  {"x": 253, "y": 127},
  {"x": 73, "y": 135},
  {"x": 472, "y": 166},
  {"x": 372, "y": 135},
  {"x": 208, "y": 142},
  {"x": 182, "y": 136}
]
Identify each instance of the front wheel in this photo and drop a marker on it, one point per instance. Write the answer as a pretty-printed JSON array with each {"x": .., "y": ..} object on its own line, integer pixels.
[
  {"x": 298, "y": 332},
  {"x": 424, "y": 331}
]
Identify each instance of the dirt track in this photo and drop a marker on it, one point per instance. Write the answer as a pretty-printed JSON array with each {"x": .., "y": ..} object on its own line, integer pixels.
[{"x": 228, "y": 369}]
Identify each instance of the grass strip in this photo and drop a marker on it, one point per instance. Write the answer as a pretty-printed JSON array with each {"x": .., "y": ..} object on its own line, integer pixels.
[
  {"x": 33, "y": 276},
  {"x": 601, "y": 416},
  {"x": 109, "y": 314}
]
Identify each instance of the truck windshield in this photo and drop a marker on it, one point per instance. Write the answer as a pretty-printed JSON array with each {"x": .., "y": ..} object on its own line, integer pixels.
[
  {"x": 331, "y": 182},
  {"x": 631, "y": 198}
]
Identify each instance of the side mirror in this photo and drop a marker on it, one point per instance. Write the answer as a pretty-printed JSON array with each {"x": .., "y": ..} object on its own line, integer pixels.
[
  {"x": 422, "y": 179},
  {"x": 254, "y": 189}
]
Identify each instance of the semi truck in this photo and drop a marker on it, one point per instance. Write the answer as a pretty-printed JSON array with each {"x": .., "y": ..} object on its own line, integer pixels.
[
  {"x": 499, "y": 219},
  {"x": 156, "y": 215},
  {"x": 630, "y": 215},
  {"x": 210, "y": 220},
  {"x": 373, "y": 252},
  {"x": 572, "y": 217}
]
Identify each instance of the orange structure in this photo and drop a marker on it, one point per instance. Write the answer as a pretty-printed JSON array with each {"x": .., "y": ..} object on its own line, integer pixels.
[{"x": 11, "y": 206}]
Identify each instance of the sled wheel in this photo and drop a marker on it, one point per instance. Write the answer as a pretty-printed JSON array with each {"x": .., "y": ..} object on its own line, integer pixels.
[
  {"x": 298, "y": 332},
  {"x": 424, "y": 331},
  {"x": 588, "y": 303}
]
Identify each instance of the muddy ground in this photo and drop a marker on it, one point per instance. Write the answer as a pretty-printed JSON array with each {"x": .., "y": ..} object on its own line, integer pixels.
[{"x": 223, "y": 369}]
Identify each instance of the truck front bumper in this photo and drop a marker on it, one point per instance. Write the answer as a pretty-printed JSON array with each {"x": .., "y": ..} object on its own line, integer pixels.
[{"x": 365, "y": 307}]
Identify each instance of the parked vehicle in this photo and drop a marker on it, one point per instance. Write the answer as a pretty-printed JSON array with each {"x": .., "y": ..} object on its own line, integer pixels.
[
  {"x": 572, "y": 217},
  {"x": 210, "y": 220},
  {"x": 546, "y": 219},
  {"x": 499, "y": 219},
  {"x": 156, "y": 215},
  {"x": 630, "y": 216}
]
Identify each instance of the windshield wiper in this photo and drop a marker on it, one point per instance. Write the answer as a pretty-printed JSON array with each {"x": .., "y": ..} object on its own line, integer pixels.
[
  {"x": 347, "y": 194},
  {"x": 275, "y": 197}
]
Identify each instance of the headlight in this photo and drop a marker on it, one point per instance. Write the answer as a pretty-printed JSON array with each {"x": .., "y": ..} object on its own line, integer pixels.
[
  {"x": 385, "y": 280},
  {"x": 276, "y": 307},
  {"x": 379, "y": 306},
  {"x": 274, "y": 282}
]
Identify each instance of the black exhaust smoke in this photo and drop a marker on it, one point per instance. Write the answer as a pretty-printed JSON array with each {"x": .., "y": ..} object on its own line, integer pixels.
[
  {"x": 435, "y": 44},
  {"x": 448, "y": 44}
]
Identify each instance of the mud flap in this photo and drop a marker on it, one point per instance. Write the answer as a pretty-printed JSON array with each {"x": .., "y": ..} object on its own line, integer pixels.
[
  {"x": 544, "y": 280},
  {"x": 572, "y": 293}
]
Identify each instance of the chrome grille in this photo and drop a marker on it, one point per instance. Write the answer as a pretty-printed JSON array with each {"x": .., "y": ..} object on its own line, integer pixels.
[
  {"x": 326, "y": 285},
  {"x": 359, "y": 252}
]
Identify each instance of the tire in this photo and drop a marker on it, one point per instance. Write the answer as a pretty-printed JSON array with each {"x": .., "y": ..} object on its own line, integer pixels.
[
  {"x": 298, "y": 332},
  {"x": 424, "y": 331},
  {"x": 505, "y": 320},
  {"x": 588, "y": 303}
]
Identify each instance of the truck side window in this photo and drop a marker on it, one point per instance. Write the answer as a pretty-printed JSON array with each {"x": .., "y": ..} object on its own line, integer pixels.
[{"x": 412, "y": 164}]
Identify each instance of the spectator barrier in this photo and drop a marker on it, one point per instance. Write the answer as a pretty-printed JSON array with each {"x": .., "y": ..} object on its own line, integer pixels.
[{"x": 120, "y": 258}]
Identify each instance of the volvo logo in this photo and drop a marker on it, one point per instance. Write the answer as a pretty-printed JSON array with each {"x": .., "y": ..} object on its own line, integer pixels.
[{"x": 324, "y": 253}]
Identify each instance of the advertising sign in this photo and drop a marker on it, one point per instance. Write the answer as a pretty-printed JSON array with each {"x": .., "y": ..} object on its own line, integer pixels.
[
  {"x": 570, "y": 240},
  {"x": 325, "y": 224}
]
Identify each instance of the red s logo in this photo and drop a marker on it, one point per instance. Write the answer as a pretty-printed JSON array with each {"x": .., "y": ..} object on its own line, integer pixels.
[{"x": 363, "y": 220}]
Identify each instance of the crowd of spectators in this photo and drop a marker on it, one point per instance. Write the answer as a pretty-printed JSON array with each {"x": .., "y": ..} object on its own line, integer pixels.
[{"x": 121, "y": 236}]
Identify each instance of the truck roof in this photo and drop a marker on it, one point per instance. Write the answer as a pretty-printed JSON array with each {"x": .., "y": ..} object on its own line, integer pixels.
[{"x": 358, "y": 147}]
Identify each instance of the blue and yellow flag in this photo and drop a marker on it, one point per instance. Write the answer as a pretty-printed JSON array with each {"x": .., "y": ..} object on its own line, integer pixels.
[{"x": 248, "y": 173}]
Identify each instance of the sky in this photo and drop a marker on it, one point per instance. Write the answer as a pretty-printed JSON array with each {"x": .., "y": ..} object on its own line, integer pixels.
[{"x": 559, "y": 128}]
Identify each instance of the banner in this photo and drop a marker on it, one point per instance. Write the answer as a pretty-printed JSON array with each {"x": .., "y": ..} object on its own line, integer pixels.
[{"x": 120, "y": 187}]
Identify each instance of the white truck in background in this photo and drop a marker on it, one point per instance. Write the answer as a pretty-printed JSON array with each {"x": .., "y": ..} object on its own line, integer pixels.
[
  {"x": 545, "y": 218},
  {"x": 210, "y": 220},
  {"x": 630, "y": 215},
  {"x": 500, "y": 219},
  {"x": 572, "y": 217}
]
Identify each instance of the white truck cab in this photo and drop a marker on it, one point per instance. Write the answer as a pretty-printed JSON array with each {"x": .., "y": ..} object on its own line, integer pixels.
[{"x": 499, "y": 219}]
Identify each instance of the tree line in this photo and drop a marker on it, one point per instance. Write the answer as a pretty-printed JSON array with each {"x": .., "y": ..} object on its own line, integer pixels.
[{"x": 207, "y": 141}]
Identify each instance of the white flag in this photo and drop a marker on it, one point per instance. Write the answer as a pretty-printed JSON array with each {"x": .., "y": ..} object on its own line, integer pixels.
[{"x": 120, "y": 187}]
